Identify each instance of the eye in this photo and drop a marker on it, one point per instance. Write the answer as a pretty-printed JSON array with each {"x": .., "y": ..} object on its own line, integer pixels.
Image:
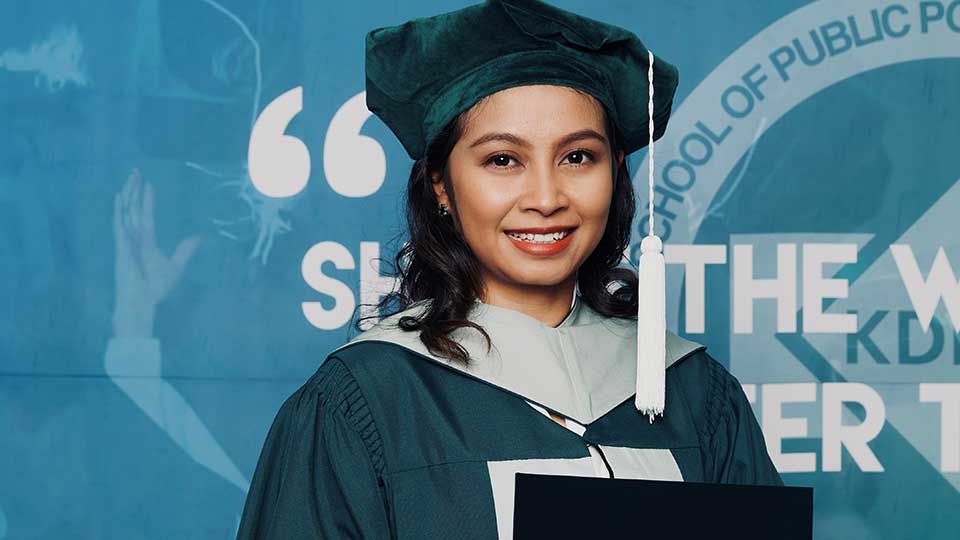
[
  {"x": 500, "y": 161},
  {"x": 577, "y": 157}
]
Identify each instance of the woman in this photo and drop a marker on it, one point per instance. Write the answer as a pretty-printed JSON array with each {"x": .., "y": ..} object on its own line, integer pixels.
[{"x": 515, "y": 341}]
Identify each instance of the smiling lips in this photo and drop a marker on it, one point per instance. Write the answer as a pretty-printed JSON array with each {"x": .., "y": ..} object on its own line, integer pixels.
[{"x": 543, "y": 241}]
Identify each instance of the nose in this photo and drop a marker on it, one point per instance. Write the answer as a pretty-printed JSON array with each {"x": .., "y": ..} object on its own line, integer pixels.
[{"x": 543, "y": 190}]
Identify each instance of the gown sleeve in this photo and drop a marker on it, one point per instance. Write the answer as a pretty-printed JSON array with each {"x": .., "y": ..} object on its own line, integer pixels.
[
  {"x": 737, "y": 449},
  {"x": 319, "y": 469}
]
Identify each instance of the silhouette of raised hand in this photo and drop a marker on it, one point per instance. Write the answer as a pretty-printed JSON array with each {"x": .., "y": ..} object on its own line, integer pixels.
[{"x": 144, "y": 274}]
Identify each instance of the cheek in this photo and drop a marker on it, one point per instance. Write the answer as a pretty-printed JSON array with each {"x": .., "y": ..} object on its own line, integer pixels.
[
  {"x": 482, "y": 209},
  {"x": 593, "y": 202},
  {"x": 593, "y": 206}
]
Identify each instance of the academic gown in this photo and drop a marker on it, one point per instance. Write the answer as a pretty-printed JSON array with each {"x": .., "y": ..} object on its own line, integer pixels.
[{"x": 386, "y": 440}]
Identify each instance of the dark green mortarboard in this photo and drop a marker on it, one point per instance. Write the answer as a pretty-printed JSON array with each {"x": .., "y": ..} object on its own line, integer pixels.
[{"x": 423, "y": 73}]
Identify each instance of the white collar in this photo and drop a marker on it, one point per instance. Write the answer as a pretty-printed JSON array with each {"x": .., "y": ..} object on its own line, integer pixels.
[{"x": 582, "y": 368}]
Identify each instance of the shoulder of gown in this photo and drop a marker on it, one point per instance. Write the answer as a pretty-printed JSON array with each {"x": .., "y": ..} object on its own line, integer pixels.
[
  {"x": 734, "y": 448},
  {"x": 318, "y": 475}
]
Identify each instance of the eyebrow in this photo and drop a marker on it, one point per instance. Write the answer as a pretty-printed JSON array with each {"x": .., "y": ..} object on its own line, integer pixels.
[{"x": 519, "y": 141}]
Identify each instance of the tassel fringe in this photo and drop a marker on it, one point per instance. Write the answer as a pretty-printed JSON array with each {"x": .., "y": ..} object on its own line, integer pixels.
[{"x": 651, "y": 329}]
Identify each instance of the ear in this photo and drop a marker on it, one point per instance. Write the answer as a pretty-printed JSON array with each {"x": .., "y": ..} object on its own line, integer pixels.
[
  {"x": 439, "y": 189},
  {"x": 620, "y": 157}
]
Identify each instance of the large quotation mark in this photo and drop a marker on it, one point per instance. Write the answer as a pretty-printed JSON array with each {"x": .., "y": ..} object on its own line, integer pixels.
[
  {"x": 279, "y": 164},
  {"x": 354, "y": 164}
]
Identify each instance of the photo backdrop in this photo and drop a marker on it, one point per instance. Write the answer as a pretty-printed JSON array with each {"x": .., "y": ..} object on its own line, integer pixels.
[{"x": 194, "y": 200}]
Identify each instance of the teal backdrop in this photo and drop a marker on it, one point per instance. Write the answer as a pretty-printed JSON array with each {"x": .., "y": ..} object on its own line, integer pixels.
[{"x": 194, "y": 200}]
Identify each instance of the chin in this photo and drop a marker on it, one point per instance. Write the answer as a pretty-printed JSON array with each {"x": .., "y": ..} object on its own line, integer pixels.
[{"x": 542, "y": 273}]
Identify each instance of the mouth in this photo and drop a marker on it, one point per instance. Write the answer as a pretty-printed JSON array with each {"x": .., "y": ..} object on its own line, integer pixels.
[
  {"x": 540, "y": 236},
  {"x": 542, "y": 242}
]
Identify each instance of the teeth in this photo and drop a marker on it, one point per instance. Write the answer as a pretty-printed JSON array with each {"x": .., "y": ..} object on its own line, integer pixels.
[{"x": 539, "y": 238}]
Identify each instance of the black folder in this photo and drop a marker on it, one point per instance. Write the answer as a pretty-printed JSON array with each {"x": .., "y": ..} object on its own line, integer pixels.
[{"x": 556, "y": 507}]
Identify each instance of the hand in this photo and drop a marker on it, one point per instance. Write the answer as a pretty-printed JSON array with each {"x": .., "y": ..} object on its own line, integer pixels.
[{"x": 144, "y": 275}]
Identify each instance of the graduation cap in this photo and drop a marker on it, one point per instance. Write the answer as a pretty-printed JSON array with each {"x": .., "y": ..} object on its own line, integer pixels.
[{"x": 422, "y": 74}]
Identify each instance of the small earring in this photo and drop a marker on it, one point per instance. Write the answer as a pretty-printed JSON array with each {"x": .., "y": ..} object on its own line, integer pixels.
[{"x": 443, "y": 210}]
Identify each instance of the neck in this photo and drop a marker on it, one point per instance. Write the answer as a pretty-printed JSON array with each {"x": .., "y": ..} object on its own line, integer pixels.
[{"x": 549, "y": 304}]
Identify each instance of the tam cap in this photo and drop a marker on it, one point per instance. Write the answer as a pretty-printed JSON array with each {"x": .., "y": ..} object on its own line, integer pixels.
[{"x": 422, "y": 74}]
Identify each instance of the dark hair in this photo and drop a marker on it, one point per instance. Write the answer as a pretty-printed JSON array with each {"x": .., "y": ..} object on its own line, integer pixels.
[{"x": 437, "y": 265}]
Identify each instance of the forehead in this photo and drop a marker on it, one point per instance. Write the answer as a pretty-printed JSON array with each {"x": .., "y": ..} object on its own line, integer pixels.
[{"x": 535, "y": 111}]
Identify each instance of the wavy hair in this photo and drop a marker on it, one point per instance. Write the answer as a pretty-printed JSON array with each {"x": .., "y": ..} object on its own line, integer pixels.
[{"x": 436, "y": 264}]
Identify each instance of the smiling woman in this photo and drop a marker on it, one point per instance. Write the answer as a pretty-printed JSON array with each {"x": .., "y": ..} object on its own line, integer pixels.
[
  {"x": 529, "y": 159},
  {"x": 532, "y": 177},
  {"x": 513, "y": 343}
]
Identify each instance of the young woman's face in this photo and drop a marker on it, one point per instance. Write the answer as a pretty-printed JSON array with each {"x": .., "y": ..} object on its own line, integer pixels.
[{"x": 531, "y": 159}]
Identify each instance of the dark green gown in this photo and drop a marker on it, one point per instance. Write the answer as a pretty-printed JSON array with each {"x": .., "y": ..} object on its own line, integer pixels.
[{"x": 386, "y": 440}]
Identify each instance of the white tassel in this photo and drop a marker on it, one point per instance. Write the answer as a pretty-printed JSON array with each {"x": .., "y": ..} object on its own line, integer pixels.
[
  {"x": 651, "y": 301},
  {"x": 651, "y": 329}
]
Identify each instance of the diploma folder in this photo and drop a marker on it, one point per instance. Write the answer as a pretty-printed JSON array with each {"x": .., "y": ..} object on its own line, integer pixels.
[{"x": 556, "y": 507}]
